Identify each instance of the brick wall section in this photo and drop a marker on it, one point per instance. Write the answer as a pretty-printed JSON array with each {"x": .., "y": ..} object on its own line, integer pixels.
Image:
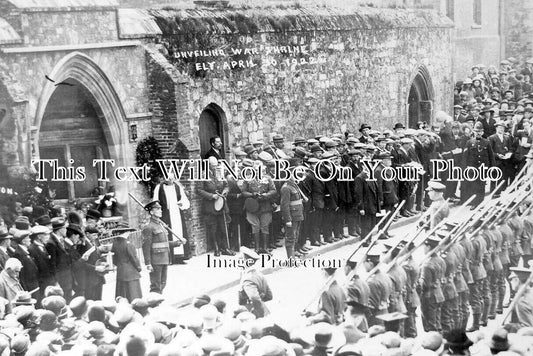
[
  {"x": 518, "y": 29},
  {"x": 75, "y": 27},
  {"x": 166, "y": 94},
  {"x": 365, "y": 77}
]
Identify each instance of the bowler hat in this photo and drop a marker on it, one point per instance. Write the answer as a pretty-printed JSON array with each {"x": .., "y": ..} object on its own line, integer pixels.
[
  {"x": 43, "y": 220},
  {"x": 457, "y": 338},
  {"x": 364, "y": 126}
]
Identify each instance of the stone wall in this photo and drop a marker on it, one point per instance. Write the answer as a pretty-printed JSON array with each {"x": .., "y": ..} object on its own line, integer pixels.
[
  {"x": 518, "y": 29},
  {"x": 349, "y": 70},
  {"x": 354, "y": 76},
  {"x": 75, "y": 27}
]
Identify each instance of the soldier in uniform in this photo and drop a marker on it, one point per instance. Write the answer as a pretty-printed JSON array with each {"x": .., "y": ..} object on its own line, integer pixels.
[
  {"x": 156, "y": 248},
  {"x": 467, "y": 275},
  {"x": 291, "y": 205},
  {"x": 254, "y": 291},
  {"x": 439, "y": 209},
  {"x": 430, "y": 285},
  {"x": 449, "y": 309},
  {"x": 357, "y": 294},
  {"x": 380, "y": 287},
  {"x": 412, "y": 299},
  {"x": 398, "y": 277},
  {"x": 331, "y": 304},
  {"x": 479, "y": 248},
  {"x": 460, "y": 284},
  {"x": 489, "y": 269},
  {"x": 497, "y": 280},
  {"x": 263, "y": 191},
  {"x": 476, "y": 153}
]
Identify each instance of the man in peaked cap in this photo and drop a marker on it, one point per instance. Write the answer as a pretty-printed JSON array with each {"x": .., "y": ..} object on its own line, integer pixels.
[
  {"x": 331, "y": 304},
  {"x": 357, "y": 294},
  {"x": 439, "y": 209},
  {"x": 477, "y": 152},
  {"x": 380, "y": 286},
  {"x": 156, "y": 247},
  {"x": 254, "y": 291},
  {"x": 431, "y": 295}
]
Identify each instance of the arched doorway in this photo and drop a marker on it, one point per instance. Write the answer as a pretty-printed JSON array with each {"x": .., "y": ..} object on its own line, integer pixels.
[
  {"x": 420, "y": 100},
  {"x": 211, "y": 124},
  {"x": 71, "y": 132},
  {"x": 81, "y": 119}
]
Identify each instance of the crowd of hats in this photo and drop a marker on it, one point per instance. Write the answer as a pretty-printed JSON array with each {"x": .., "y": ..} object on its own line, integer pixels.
[
  {"x": 503, "y": 91},
  {"x": 152, "y": 327}
]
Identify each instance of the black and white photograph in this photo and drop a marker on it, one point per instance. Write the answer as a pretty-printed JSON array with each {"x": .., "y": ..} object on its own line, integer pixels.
[{"x": 266, "y": 178}]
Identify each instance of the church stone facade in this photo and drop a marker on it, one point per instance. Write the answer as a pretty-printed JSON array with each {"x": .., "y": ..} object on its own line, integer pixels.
[{"x": 79, "y": 82}]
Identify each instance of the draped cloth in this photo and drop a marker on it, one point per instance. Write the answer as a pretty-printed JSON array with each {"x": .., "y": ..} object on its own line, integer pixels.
[{"x": 169, "y": 197}]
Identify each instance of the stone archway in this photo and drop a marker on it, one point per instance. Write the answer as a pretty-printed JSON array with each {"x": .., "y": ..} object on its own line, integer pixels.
[
  {"x": 83, "y": 70},
  {"x": 212, "y": 123},
  {"x": 420, "y": 99}
]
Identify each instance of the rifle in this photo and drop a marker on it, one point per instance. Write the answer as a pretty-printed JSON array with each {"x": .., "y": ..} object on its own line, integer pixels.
[
  {"x": 361, "y": 244},
  {"x": 420, "y": 229},
  {"x": 181, "y": 239},
  {"x": 381, "y": 231}
]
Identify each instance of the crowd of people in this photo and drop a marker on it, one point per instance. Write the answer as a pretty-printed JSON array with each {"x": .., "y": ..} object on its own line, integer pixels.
[{"x": 53, "y": 268}]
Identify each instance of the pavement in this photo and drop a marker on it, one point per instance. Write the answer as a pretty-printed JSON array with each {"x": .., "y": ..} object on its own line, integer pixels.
[{"x": 199, "y": 276}]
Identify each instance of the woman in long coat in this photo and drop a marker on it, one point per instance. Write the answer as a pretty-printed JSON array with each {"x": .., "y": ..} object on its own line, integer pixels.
[{"x": 128, "y": 267}]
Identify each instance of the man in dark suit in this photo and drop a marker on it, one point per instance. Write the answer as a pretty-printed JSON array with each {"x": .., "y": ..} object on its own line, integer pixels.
[
  {"x": 128, "y": 267},
  {"x": 211, "y": 191},
  {"x": 216, "y": 148},
  {"x": 388, "y": 187},
  {"x": 94, "y": 265},
  {"x": 45, "y": 275},
  {"x": 502, "y": 147},
  {"x": 29, "y": 274},
  {"x": 5, "y": 242},
  {"x": 317, "y": 203},
  {"x": 405, "y": 188},
  {"x": 488, "y": 122},
  {"x": 368, "y": 198},
  {"x": 477, "y": 151},
  {"x": 60, "y": 259}
]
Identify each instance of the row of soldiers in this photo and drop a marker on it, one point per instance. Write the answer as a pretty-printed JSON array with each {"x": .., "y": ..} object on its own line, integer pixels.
[
  {"x": 464, "y": 271},
  {"x": 320, "y": 207},
  {"x": 61, "y": 251}
]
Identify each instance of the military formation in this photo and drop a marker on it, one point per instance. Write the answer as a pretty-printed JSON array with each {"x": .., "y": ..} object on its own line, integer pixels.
[{"x": 457, "y": 268}]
